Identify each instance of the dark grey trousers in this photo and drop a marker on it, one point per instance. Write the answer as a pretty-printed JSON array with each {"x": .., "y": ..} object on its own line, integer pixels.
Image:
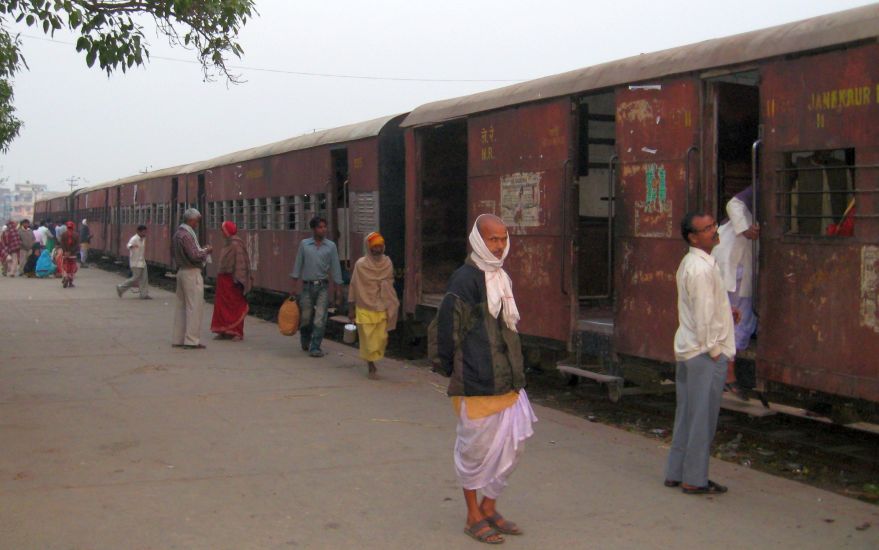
[{"x": 699, "y": 388}]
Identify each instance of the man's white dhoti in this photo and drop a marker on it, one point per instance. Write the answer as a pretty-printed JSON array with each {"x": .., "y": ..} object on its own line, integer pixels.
[{"x": 488, "y": 449}]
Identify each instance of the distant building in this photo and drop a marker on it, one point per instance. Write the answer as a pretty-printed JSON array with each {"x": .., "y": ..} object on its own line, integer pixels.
[{"x": 18, "y": 203}]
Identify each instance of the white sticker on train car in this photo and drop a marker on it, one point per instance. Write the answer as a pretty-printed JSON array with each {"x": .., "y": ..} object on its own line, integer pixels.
[{"x": 520, "y": 199}]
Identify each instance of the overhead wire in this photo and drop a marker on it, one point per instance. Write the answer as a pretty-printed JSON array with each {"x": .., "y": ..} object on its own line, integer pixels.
[{"x": 306, "y": 73}]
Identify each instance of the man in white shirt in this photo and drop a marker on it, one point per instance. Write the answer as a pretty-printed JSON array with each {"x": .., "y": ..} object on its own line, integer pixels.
[
  {"x": 139, "y": 273},
  {"x": 704, "y": 343}
]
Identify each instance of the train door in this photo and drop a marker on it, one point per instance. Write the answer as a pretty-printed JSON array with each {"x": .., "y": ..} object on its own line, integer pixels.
[
  {"x": 440, "y": 221},
  {"x": 657, "y": 133},
  {"x": 201, "y": 206},
  {"x": 340, "y": 200},
  {"x": 595, "y": 174},
  {"x": 173, "y": 216},
  {"x": 116, "y": 245},
  {"x": 732, "y": 128}
]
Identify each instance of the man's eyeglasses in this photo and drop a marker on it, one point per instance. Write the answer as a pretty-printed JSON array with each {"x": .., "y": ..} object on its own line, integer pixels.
[{"x": 706, "y": 228}]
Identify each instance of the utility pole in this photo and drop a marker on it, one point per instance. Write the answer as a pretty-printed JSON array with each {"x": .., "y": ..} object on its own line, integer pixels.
[{"x": 71, "y": 181}]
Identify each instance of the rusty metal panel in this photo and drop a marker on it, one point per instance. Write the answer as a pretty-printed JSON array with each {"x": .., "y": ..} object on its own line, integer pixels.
[
  {"x": 817, "y": 296},
  {"x": 412, "y": 279},
  {"x": 654, "y": 129},
  {"x": 811, "y": 34},
  {"x": 518, "y": 170}
]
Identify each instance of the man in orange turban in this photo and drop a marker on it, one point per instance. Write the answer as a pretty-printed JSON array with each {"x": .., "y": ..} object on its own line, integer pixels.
[{"x": 373, "y": 300}]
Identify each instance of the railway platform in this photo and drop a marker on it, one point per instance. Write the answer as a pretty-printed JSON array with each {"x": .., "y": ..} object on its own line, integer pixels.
[{"x": 110, "y": 438}]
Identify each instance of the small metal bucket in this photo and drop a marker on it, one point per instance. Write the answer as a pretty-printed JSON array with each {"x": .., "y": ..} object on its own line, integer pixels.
[{"x": 350, "y": 334}]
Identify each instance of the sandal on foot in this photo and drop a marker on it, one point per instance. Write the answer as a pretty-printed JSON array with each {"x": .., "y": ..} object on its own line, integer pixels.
[
  {"x": 671, "y": 483},
  {"x": 501, "y": 525},
  {"x": 711, "y": 489},
  {"x": 483, "y": 532},
  {"x": 197, "y": 346}
]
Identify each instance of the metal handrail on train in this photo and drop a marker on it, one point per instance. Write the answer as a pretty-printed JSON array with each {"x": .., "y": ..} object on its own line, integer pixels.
[
  {"x": 755, "y": 245},
  {"x": 611, "y": 193},
  {"x": 692, "y": 149},
  {"x": 566, "y": 190}
]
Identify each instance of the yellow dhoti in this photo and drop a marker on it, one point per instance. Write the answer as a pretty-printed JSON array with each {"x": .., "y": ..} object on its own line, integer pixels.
[{"x": 372, "y": 331}]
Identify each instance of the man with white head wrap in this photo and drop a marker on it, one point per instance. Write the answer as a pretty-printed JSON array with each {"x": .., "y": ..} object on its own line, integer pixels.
[
  {"x": 478, "y": 348},
  {"x": 190, "y": 258}
]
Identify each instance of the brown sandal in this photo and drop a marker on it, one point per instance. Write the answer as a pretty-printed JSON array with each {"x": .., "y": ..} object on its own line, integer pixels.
[
  {"x": 501, "y": 525},
  {"x": 483, "y": 532}
]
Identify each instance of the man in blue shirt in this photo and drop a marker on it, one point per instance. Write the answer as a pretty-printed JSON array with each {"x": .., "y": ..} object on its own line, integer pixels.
[{"x": 316, "y": 259}]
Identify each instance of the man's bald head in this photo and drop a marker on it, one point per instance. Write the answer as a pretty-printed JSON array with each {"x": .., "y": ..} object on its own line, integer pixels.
[{"x": 493, "y": 231}]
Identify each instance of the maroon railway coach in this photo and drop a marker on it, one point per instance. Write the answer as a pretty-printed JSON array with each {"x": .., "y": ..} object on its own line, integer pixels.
[
  {"x": 92, "y": 204},
  {"x": 351, "y": 175},
  {"x": 593, "y": 169}
]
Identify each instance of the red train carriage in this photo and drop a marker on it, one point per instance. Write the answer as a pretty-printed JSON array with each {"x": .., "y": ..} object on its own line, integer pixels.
[
  {"x": 93, "y": 204},
  {"x": 352, "y": 176},
  {"x": 661, "y": 134}
]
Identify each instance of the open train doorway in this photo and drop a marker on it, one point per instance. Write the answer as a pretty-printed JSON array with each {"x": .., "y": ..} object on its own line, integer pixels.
[
  {"x": 443, "y": 207},
  {"x": 734, "y": 103},
  {"x": 341, "y": 218},
  {"x": 595, "y": 178}
]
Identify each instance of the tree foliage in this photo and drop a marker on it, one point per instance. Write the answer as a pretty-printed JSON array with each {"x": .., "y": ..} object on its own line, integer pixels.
[{"x": 110, "y": 35}]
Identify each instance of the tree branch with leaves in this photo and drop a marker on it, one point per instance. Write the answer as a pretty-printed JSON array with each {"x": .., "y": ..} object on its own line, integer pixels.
[{"x": 111, "y": 36}]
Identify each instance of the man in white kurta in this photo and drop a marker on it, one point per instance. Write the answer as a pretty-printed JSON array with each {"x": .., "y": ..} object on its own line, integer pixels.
[{"x": 734, "y": 255}]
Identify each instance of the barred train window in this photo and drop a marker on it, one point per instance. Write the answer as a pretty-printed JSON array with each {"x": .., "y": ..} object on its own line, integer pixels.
[
  {"x": 265, "y": 214},
  {"x": 818, "y": 193},
  {"x": 276, "y": 206}
]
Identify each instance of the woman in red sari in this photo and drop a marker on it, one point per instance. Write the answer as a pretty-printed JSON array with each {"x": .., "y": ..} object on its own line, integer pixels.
[
  {"x": 233, "y": 282},
  {"x": 69, "y": 253}
]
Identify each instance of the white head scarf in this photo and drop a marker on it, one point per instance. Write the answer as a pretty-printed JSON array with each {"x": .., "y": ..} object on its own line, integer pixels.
[{"x": 498, "y": 286}]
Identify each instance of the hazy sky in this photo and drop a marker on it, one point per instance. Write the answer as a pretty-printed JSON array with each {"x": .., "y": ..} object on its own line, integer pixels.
[{"x": 79, "y": 122}]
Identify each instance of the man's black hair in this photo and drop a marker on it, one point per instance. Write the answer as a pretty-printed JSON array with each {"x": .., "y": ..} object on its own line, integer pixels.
[
  {"x": 141, "y": 228},
  {"x": 315, "y": 221},
  {"x": 687, "y": 224}
]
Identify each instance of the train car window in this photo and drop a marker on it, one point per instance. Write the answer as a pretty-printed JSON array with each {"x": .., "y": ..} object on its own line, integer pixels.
[
  {"x": 817, "y": 193},
  {"x": 238, "y": 212},
  {"x": 265, "y": 214},
  {"x": 254, "y": 213},
  {"x": 306, "y": 212},
  {"x": 322, "y": 205},
  {"x": 276, "y": 219},
  {"x": 290, "y": 206},
  {"x": 247, "y": 214}
]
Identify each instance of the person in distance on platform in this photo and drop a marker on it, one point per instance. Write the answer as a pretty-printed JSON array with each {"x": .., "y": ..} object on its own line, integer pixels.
[
  {"x": 190, "y": 259},
  {"x": 3, "y": 254},
  {"x": 85, "y": 239},
  {"x": 30, "y": 264},
  {"x": 373, "y": 300},
  {"x": 704, "y": 343},
  {"x": 316, "y": 260},
  {"x": 478, "y": 347},
  {"x": 734, "y": 255},
  {"x": 234, "y": 281},
  {"x": 139, "y": 271},
  {"x": 27, "y": 243},
  {"x": 11, "y": 248},
  {"x": 69, "y": 241}
]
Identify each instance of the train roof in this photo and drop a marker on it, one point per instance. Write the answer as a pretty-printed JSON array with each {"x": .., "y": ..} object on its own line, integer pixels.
[
  {"x": 51, "y": 195},
  {"x": 351, "y": 132},
  {"x": 824, "y": 31}
]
